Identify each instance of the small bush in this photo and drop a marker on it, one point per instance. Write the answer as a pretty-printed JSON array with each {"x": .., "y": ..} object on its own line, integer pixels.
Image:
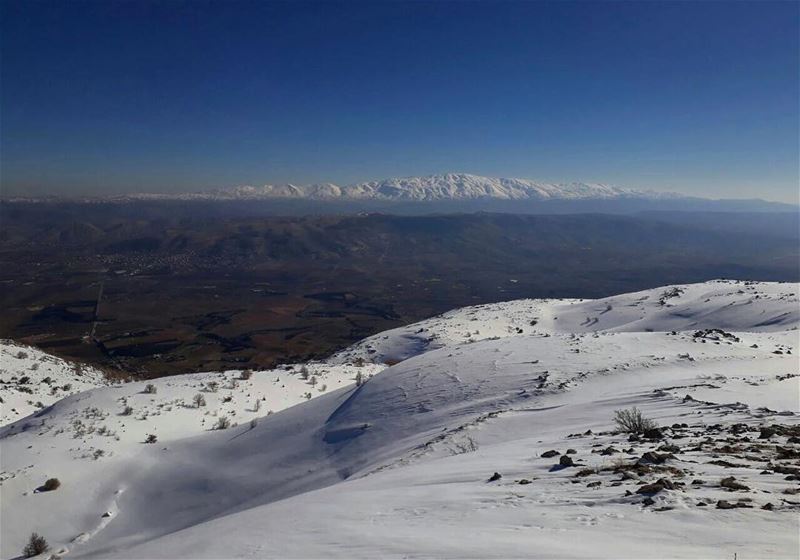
[
  {"x": 151, "y": 438},
  {"x": 212, "y": 386},
  {"x": 245, "y": 375},
  {"x": 199, "y": 400},
  {"x": 22, "y": 355},
  {"x": 127, "y": 411},
  {"x": 632, "y": 421},
  {"x": 223, "y": 423},
  {"x": 36, "y": 546},
  {"x": 359, "y": 379},
  {"x": 150, "y": 389},
  {"x": 51, "y": 484}
]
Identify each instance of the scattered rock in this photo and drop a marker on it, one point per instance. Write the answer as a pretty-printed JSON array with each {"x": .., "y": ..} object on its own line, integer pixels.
[
  {"x": 651, "y": 457},
  {"x": 698, "y": 481},
  {"x": 768, "y": 506},
  {"x": 653, "y": 433},
  {"x": 495, "y": 476},
  {"x": 548, "y": 454},
  {"x": 524, "y": 481},
  {"x": 787, "y": 453},
  {"x": 571, "y": 452},
  {"x": 566, "y": 461},
  {"x": 726, "y": 464},
  {"x": 731, "y": 484},
  {"x": 766, "y": 433},
  {"x": 594, "y": 484},
  {"x": 724, "y": 504},
  {"x": 648, "y": 501},
  {"x": 656, "y": 487}
]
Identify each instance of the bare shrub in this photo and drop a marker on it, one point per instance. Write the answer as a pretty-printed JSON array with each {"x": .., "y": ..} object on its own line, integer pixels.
[
  {"x": 151, "y": 438},
  {"x": 199, "y": 400},
  {"x": 245, "y": 375},
  {"x": 223, "y": 423},
  {"x": 51, "y": 484},
  {"x": 36, "y": 545},
  {"x": 632, "y": 421},
  {"x": 150, "y": 389},
  {"x": 127, "y": 411}
]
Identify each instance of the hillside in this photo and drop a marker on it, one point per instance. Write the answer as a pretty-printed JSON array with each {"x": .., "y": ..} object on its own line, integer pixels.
[
  {"x": 400, "y": 465},
  {"x": 31, "y": 380}
]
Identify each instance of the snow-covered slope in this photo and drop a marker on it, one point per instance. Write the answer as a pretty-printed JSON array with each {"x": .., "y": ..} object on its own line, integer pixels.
[
  {"x": 31, "y": 380},
  {"x": 725, "y": 304},
  {"x": 400, "y": 465}
]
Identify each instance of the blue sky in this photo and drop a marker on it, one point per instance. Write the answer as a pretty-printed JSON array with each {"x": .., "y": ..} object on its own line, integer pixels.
[{"x": 697, "y": 97}]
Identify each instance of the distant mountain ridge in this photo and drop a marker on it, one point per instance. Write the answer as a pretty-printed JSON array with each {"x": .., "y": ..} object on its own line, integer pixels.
[
  {"x": 446, "y": 193},
  {"x": 430, "y": 188},
  {"x": 449, "y": 186}
]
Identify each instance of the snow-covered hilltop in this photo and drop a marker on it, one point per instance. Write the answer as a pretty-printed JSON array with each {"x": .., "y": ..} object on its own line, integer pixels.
[
  {"x": 491, "y": 436},
  {"x": 730, "y": 305}
]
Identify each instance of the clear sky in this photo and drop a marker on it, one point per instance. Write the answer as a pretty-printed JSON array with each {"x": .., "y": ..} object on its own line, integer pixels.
[{"x": 106, "y": 97}]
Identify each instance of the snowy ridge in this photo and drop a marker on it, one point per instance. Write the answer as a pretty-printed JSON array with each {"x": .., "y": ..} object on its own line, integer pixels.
[
  {"x": 725, "y": 304},
  {"x": 449, "y": 186},
  {"x": 400, "y": 465}
]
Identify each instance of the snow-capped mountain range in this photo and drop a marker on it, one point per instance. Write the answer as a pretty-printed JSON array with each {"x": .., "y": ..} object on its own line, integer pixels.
[
  {"x": 431, "y": 188},
  {"x": 484, "y": 432},
  {"x": 450, "y": 186}
]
